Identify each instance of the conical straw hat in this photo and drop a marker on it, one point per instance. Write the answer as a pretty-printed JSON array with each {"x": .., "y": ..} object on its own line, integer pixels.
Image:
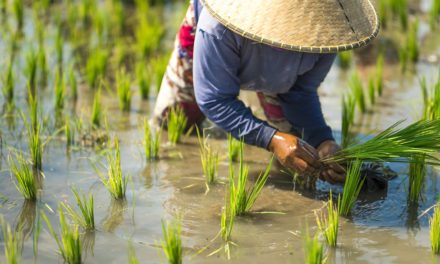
[{"x": 318, "y": 26}]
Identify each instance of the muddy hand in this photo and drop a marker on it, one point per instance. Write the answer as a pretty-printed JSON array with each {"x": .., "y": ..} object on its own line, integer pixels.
[
  {"x": 334, "y": 172},
  {"x": 292, "y": 152}
]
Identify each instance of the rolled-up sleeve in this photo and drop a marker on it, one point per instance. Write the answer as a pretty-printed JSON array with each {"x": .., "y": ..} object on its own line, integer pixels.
[
  {"x": 217, "y": 86},
  {"x": 301, "y": 105}
]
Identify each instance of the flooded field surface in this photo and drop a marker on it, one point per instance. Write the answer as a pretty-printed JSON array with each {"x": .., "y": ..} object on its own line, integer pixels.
[{"x": 383, "y": 227}]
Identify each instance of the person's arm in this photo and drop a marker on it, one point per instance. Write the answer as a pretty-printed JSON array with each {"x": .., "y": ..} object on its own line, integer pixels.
[{"x": 216, "y": 85}]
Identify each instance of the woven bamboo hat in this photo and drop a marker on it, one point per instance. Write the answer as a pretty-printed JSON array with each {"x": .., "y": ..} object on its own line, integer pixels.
[{"x": 318, "y": 26}]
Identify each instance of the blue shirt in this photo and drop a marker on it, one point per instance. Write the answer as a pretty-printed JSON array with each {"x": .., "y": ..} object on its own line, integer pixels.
[{"x": 225, "y": 62}]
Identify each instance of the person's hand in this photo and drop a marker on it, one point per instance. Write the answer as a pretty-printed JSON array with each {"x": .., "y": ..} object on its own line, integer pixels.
[
  {"x": 294, "y": 153},
  {"x": 333, "y": 172}
]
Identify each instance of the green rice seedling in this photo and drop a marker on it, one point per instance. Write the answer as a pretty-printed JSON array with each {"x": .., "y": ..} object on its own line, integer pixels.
[
  {"x": 118, "y": 18},
  {"x": 132, "y": 259},
  {"x": 159, "y": 65},
  {"x": 8, "y": 85},
  {"x": 60, "y": 91},
  {"x": 12, "y": 244},
  {"x": 313, "y": 249},
  {"x": 434, "y": 234},
  {"x": 172, "y": 242},
  {"x": 233, "y": 148},
  {"x": 149, "y": 32},
  {"x": 115, "y": 182},
  {"x": 42, "y": 64},
  {"x": 96, "y": 66},
  {"x": 371, "y": 91},
  {"x": 69, "y": 132},
  {"x": 176, "y": 124},
  {"x": 120, "y": 52},
  {"x": 123, "y": 87},
  {"x": 226, "y": 226},
  {"x": 403, "y": 13},
  {"x": 73, "y": 84},
  {"x": 59, "y": 46},
  {"x": 242, "y": 199},
  {"x": 383, "y": 13},
  {"x": 69, "y": 243},
  {"x": 417, "y": 173},
  {"x": 434, "y": 13},
  {"x": 26, "y": 182},
  {"x": 396, "y": 144},
  {"x": 209, "y": 159},
  {"x": 358, "y": 92},
  {"x": 329, "y": 225},
  {"x": 143, "y": 79},
  {"x": 348, "y": 112},
  {"x": 345, "y": 59},
  {"x": 412, "y": 41},
  {"x": 352, "y": 187},
  {"x": 151, "y": 142},
  {"x": 34, "y": 135},
  {"x": 31, "y": 69},
  {"x": 96, "y": 109},
  {"x": 379, "y": 74},
  {"x": 431, "y": 99},
  {"x": 86, "y": 216},
  {"x": 18, "y": 9}
]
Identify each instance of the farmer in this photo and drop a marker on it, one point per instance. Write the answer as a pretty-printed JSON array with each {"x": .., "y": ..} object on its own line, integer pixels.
[{"x": 282, "y": 50}]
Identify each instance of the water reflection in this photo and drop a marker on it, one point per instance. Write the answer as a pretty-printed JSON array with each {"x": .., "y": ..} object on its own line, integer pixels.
[
  {"x": 25, "y": 220},
  {"x": 88, "y": 243},
  {"x": 116, "y": 215}
]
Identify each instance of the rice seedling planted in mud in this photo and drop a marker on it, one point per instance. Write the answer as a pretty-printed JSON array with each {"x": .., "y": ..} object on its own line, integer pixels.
[
  {"x": 431, "y": 99},
  {"x": 358, "y": 92},
  {"x": 151, "y": 142},
  {"x": 379, "y": 74},
  {"x": 60, "y": 91},
  {"x": 73, "y": 84},
  {"x": 371, "y": 91},
  {"x": 96, "y": 110},
  {"x": 352, "y": 187},
  {"x": 115, "y": 182},
  {"x": 8, "y": 85},
  {"x": 329, "y": 225},
  {"x": 34, "y": 134},
  {"x": 123, "y": 87},
  {"x": 31, "y": 69},
  {"x": 143, "y": 80},
  {"x": 241, "y": 198},
  {"x": 176, "y": 124},
  {"x": 396, "y": 144},
  {"x": 226, "y": 226},
  {"x": 348, "y": 112},
  {"x": 149, "y": 32},
  {"x": 86, "y": 216},
  {"x": 434, "y": 224},
  {"x": 59, "y": 46},
  {"x": 172, "y": 243},
  {"x": 434, "y": 13},
  {"x": 209, "y": 159},
  {"x": 417, "y": 173},
  {"x": 42, "y": 64},
  {"x": 96, "y": 66},
  {"x": 132, "y": 259},
  {"x": 18, "y": 9},
  {"x": 233, "y": 148},
  {"x": 12, "y": 243},
  {"x": 69, "y": 132},
  {"x": 345, "y": 59},
  {"x": 69, "y": 243},
  {"x": 26, "y": 182},
  {"x": 313, "y": 249},
  {"x": 412, "y": 41},
  {"x": 159, "y": 65}
]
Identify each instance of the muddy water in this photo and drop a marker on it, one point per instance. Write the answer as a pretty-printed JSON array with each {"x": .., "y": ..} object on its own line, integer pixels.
[{"x": 382, "y": 228}]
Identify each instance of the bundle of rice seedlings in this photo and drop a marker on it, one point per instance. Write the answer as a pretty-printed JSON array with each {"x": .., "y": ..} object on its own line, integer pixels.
[
  {"x": 34, "y": 134},
  {"x": 241, "y": 198},
  {"x": 209, "y": 159},
  {"x": 348, "y": 113},
  {"x": 329, "y": 225},
  {"x": 115, "y": 182},
  {"x": 417, "y": 173},
  {"x": 69, "y": 243},
  {"x": 172, "y": 242},
  {"x": 357, "y": 90},
  {"x": 396, "y": 144},
  {"x": 151, "y": 142},
  {"x": 176, "y": 124},
  {"x": 352, "y": 187},
  {"x": 143, "y": 79},
  {"x": 226, "y": 227},
  {"x": 313, "y": 249},
  {"x": 96, "y": 109},
  {"x": 434, "y": 233},
  {"x": 123, "y": 87},
  {"x": 345, "y": 59},
  {"x": 86, "y": 216},
  {"x": 96, "y": 66},
  {"x": 26, "y": 182},
  {"x": 12, "y": 243},
  {"x": 149, "y": 32},
  {"x": 233, "y": 148}
]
